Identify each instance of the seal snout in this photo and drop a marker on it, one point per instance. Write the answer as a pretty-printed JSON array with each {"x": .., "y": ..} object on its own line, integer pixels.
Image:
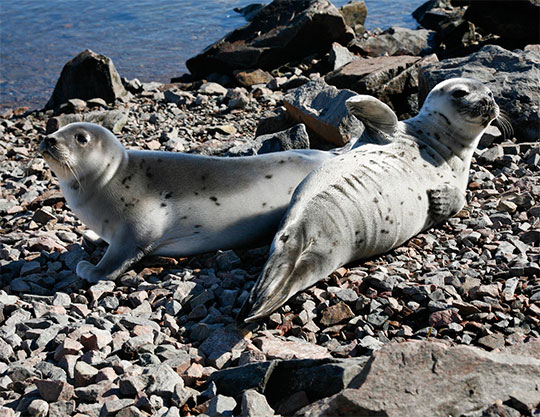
[{"x": 47, "y": 144}]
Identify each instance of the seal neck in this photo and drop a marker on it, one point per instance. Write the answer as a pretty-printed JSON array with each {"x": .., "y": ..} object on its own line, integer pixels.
[{"x": 450, "y": 144}]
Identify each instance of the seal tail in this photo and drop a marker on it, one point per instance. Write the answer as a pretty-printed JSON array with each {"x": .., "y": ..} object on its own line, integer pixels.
[{"x": 289, "y": 269}]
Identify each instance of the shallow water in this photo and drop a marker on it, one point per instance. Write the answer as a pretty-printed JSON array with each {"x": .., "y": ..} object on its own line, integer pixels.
[{"x": 149, "y": 40}]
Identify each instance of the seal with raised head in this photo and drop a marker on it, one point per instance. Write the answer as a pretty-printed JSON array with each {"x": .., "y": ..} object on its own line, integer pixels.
[
  {"x": 376, "y": 197},
  {"x": 167, "y": 203}
]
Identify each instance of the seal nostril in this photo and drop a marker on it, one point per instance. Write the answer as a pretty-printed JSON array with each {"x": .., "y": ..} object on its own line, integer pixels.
[{"x": 49, "y": 140}]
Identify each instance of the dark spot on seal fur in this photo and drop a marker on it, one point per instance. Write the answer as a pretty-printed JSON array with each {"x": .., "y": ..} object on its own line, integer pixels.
[
  {"x": 106, "y": 221},
  {"x": 281, "y": 161},
  {"x": 444, "y": 117},
  {"x": 214, "y": 199},
  {"x": 197, "y": 226},
  {"x": 387, "y": 218},
  {"x": 163, "y": 205},
  {"x": 203, "y": 177},
  {"x": 375, "y": 200},
  {"x": 183, "y": 217},
  {"x": 196, "y": 193},
  {"x": 385, "y": 231},
  {"x": 419, "y": 197},
  {"x": 268, "y": 176},
  {"x": 437, "y": 136},
  {"x": 419, "y": 131},
  {"x": 168, "y": 195},
  {"x": 264, "y": 204},
  {"x": 125, "y": 179},
  {"x": 284, "y": 238}
]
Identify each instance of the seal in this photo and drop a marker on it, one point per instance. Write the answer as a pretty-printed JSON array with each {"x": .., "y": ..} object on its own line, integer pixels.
[
  {"x": 376, "y": 197},
  {"x": 167, "y": 203}
]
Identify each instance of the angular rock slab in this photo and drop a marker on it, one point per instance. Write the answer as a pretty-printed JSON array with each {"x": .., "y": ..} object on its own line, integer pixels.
[
  {"x": 322, "y": 109},
  {"x": 283, "y": 31},
  {"x": 432, "y": 380},
  {"x": 512, "y": 76},
  {"x": 392, "y": 79},
  {"x": 88, "y": 75}
]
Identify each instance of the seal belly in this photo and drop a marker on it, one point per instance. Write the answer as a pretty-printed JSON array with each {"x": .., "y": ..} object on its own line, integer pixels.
[{"x": 371, "y": 208}]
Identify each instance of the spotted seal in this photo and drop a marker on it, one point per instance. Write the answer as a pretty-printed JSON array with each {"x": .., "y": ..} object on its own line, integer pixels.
[
  {"x": 376, "y": 197},
  {"x": 167, "y": 203}
]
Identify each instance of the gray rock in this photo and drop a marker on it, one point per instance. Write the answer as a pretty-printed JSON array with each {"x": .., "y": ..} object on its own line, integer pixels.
[
  {"x": 221, "y": 405},
  {"x": 511, "y": 76},
  {"x": 233, "y": 381},
  {"x": 322, "y": 109},
  {"x": 294, "y": 138},
  {"x": 162, "y": 380},
  {"x": 38, "y": 408},
  {"x": 276, "y": 35},
  {"x": 339, "y": 56},
  {"x": 399, "y": 41},
  {"x": 355, "y": 13},
  {"x": 61, "y": 408},
  {"x": 87, "y": 76},
  {"x": 455, "y": 380},
  {"x": 255, "y": 405}
]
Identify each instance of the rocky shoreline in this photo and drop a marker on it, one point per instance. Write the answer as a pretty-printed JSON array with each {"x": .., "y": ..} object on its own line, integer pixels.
[{"x": 448, "y": 324}]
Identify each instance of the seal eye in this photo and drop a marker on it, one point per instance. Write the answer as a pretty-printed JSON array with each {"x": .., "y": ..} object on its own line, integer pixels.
[
  {"x": 459, "y": 93},
  {"x": 81, "y": 138}
]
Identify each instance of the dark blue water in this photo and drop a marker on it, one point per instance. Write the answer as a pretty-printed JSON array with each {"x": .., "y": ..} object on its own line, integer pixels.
[{"x": 146, "y": 39}]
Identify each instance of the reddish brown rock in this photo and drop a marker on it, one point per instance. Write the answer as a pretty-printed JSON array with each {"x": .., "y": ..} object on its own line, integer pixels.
[
  {"x": 444, "y": 317},
  {"x": 54, "y": 390},
  {"x": 275, "y": 348},
  {"x": 336, "y": 314}
]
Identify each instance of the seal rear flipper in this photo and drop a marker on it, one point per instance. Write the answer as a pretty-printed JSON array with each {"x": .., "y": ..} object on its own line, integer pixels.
[
  {"x": 373, "y": 113},
  {"x": 280, "y": 280}
]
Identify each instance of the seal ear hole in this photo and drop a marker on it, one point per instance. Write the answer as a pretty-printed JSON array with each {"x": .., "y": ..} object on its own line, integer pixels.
[
  {"x": 459, "y": 93},
  {"x": 81, "y": 138}
]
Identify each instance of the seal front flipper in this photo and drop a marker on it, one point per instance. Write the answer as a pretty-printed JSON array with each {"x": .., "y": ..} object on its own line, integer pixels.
[
  {"x": 375, "y": 115},
  {"x": 444, "y": 202},
  {"x": 120, "y": 255}
]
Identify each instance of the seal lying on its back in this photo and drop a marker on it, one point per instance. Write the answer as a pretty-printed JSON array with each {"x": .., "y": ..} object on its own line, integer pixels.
[
  {"x": 168, "y": 203},
  {"x": 376, "y": 197}
]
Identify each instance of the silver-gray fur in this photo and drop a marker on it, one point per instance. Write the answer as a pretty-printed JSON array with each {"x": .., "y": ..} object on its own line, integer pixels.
[
  {"x": 376, "y": 197},
  {"x": 167, "y": 203}
]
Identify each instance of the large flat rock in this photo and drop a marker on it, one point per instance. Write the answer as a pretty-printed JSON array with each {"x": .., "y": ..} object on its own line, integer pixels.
[
  {"x": 283, "y": 31},
  {"x": 433, "y": 380}
]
